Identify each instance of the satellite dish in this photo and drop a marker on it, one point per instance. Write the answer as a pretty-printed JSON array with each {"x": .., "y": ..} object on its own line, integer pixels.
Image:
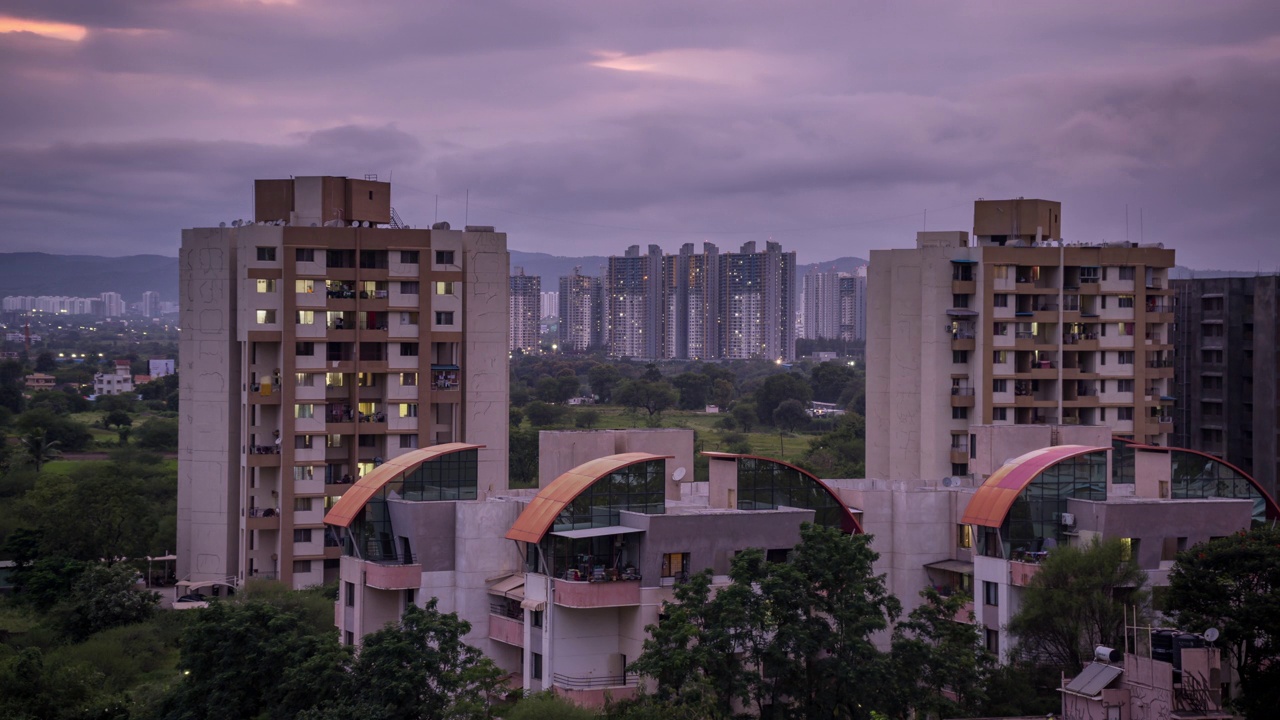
[
  {"x": 1211, "y": 634},
  {"x": 222, "y": 224},
  {"x": 678, "y": 475},
  {"x": 355, "y": 223}
]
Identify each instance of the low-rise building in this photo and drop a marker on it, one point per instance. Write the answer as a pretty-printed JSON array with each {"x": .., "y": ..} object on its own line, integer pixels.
[
  {"x": 39, "y": 381},
  {"x": 114, "y": 383}
]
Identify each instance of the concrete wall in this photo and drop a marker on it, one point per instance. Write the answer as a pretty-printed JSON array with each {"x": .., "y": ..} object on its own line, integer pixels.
[
  {"x": 712, "y": 538},
  {"x": 562, "y": 450},
  {"x": 209, "y": 428},
  {"x": 485, "y": 373},
  {"x": 1152, "y": 521}
]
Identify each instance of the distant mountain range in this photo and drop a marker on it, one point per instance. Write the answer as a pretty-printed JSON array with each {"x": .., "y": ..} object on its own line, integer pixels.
[{"x": 32, "y": 273}]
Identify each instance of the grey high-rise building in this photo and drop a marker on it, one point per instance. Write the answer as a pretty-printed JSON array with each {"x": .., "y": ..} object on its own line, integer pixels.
[
  {"x": 525, "y": 309},
  {"x": 756, "y": 291},
  {"x": 1225, "y": 372},
  {"x": 692, "y": 311},
  {"x": 633, "y": 304},
  {"x": 579, "y": 312}
]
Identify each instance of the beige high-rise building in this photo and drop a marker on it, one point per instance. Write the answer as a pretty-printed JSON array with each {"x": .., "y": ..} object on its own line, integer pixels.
[
  {"x": 1014, "y": 327},
  {"x": 319, "y": 341}
]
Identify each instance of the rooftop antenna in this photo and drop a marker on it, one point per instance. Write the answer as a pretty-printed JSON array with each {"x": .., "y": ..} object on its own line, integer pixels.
[
  {"x": 1142, "y": 234},
  {"x": 436, "y": 219},
  {"x": 466, "y": 213},
  {"x": 926, "y": 220}
]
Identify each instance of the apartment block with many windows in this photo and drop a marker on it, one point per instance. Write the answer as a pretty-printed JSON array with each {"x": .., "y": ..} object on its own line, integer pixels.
[
  {"x": 1226, "y": 370},
  {"x": 1014, "y": 327},
  {"x": 318, "y": 342},
  {"x": 525, "y": 312}
]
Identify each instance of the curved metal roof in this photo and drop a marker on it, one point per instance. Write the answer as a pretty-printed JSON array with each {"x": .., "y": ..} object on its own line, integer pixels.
[
  {"x": 353, "y": 500},
  {"x": 850, "y": 524},
  {"x": 990, "y": 504},
  {"x": 541, "y": 513}
]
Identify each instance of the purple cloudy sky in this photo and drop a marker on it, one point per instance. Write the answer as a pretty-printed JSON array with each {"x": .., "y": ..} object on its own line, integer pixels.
[{"x": 583, "y": 127}]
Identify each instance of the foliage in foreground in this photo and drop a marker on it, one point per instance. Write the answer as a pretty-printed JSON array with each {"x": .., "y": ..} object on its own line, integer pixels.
[
  {"x": 1233, "y": 584},
  {"x": 1077, "y": 601}
]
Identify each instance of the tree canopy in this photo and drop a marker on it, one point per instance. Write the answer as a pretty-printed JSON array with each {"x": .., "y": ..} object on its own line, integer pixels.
[
  {"x": 788, "y": 638},
  {"x": 1076, "y": 601},
  {"x": 1233, "y": 584}
]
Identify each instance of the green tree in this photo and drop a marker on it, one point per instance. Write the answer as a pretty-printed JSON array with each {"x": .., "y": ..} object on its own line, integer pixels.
[
  {"x": 515, "y": 415},
  {"x": 117, "y": 418},
  {"x": 1233, "y": 584},
  {"x": 158, "y": 434},
  {"x": 840, "y": 453},
  {"x": 522, "y": 458},
  {"x": 830, "y": 379},
  {"x": 39, "y": 447},
  {"x": 653, "y": 397},
  {"x": 70, "y": 435},
  {"x": 694, "y": 389},
  {"x": 1076, "y": 601},
  {"x": 11, "y": 386},
  {"x": 104, "y": 597},
  {"x": 547, "y": 705},
  {"x": 418, "y": 669},
  {"x": 790, "y": 415},
  {"x": 792, "y": 639},
  {"x": 941, "y": 665},
  {"x": 586, "y": 418},
  {"x": 541, "y": 414},
  {"x": 777, "y": 389},
  {"x": 45, "y": 362},
  {"x": 744, "y": 413},
  {"x": 255, "y": 659},
  {"x": 603, "y": 378}
]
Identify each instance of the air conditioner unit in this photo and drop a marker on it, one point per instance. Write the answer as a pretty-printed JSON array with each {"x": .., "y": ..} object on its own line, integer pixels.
[{"x": 1068, "y": 519}]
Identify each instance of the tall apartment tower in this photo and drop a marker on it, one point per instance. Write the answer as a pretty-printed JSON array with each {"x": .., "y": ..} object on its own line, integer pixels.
[
  {"x": 151, "y": 304},
  {"x": 579, "y": 311},
  {"x": 550, "y": 304},
  {"x": 756, "y": 295},
  {"x": 692, "y": 310},
  {"x": 317, "y": 343},
  {"x": 112, "y": 304},
  {"x": 822, "y": 304},
  {"x": 853, "y": 305},
  {"x": 1226, "y": 371},
  {"x": 525, "y": 315},
  {"x": 1014, "y": 328},
  {"x": 633, "y": 304}
]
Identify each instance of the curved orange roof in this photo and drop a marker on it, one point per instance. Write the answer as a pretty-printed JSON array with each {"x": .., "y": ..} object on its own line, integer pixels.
[
  {"x": 542, "y": 511},
  {"x": 353, "y": 500},
  {"x": 990, "y": 504},
  {"x": 850, "y": 524}
]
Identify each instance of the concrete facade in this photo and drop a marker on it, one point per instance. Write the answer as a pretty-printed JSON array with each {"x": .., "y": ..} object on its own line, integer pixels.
[
  {"x": 1014, "y": 327},
  {"x": 525, "y": 318},
  {"x": 315, "y": 346},
  {"x": 1225, "y": 378}
]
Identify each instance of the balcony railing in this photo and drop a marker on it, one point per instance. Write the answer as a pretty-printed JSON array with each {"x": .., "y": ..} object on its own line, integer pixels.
[
  {"x": 961, "y": 391},
  {"x": 594, "y": 682}
]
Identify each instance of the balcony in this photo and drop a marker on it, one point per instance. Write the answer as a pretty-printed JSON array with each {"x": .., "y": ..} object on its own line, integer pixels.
[
  {"x": 392, "y": 576},
  {"x": 963, "y": 287},
  {"x": 1022, "y": 571},
  {"x": 595, "y": 691},
  {"x": 263, "y": 456},
  {"x": 581, "y": 594},
  {"x": 506, "y": 629},
  {"x": 959, "y": 456},
  {"x": 963, "y": 341},
  {"x": 962, "y": 397},
  {"x": 262, "y": 519}
]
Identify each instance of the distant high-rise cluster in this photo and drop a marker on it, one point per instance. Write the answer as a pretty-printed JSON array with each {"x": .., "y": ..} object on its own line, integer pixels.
[
  {"x": 687, "y": 306},
  {"x": 524, "y": 309},
  {"x": 835, "y": 305},
  {"x": 108, "y": 304}
]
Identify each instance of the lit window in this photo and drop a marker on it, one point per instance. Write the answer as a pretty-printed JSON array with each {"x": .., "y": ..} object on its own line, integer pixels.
[
  {"x": 266, "y": 317},
  {"x": 266, "y": 286},
  {"x": 408, "y": 410},
  {"x": 444, "y": 288}
]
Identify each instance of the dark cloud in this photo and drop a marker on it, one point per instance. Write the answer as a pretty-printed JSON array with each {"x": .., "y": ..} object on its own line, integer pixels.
[{"x": 583, "y": 127}]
